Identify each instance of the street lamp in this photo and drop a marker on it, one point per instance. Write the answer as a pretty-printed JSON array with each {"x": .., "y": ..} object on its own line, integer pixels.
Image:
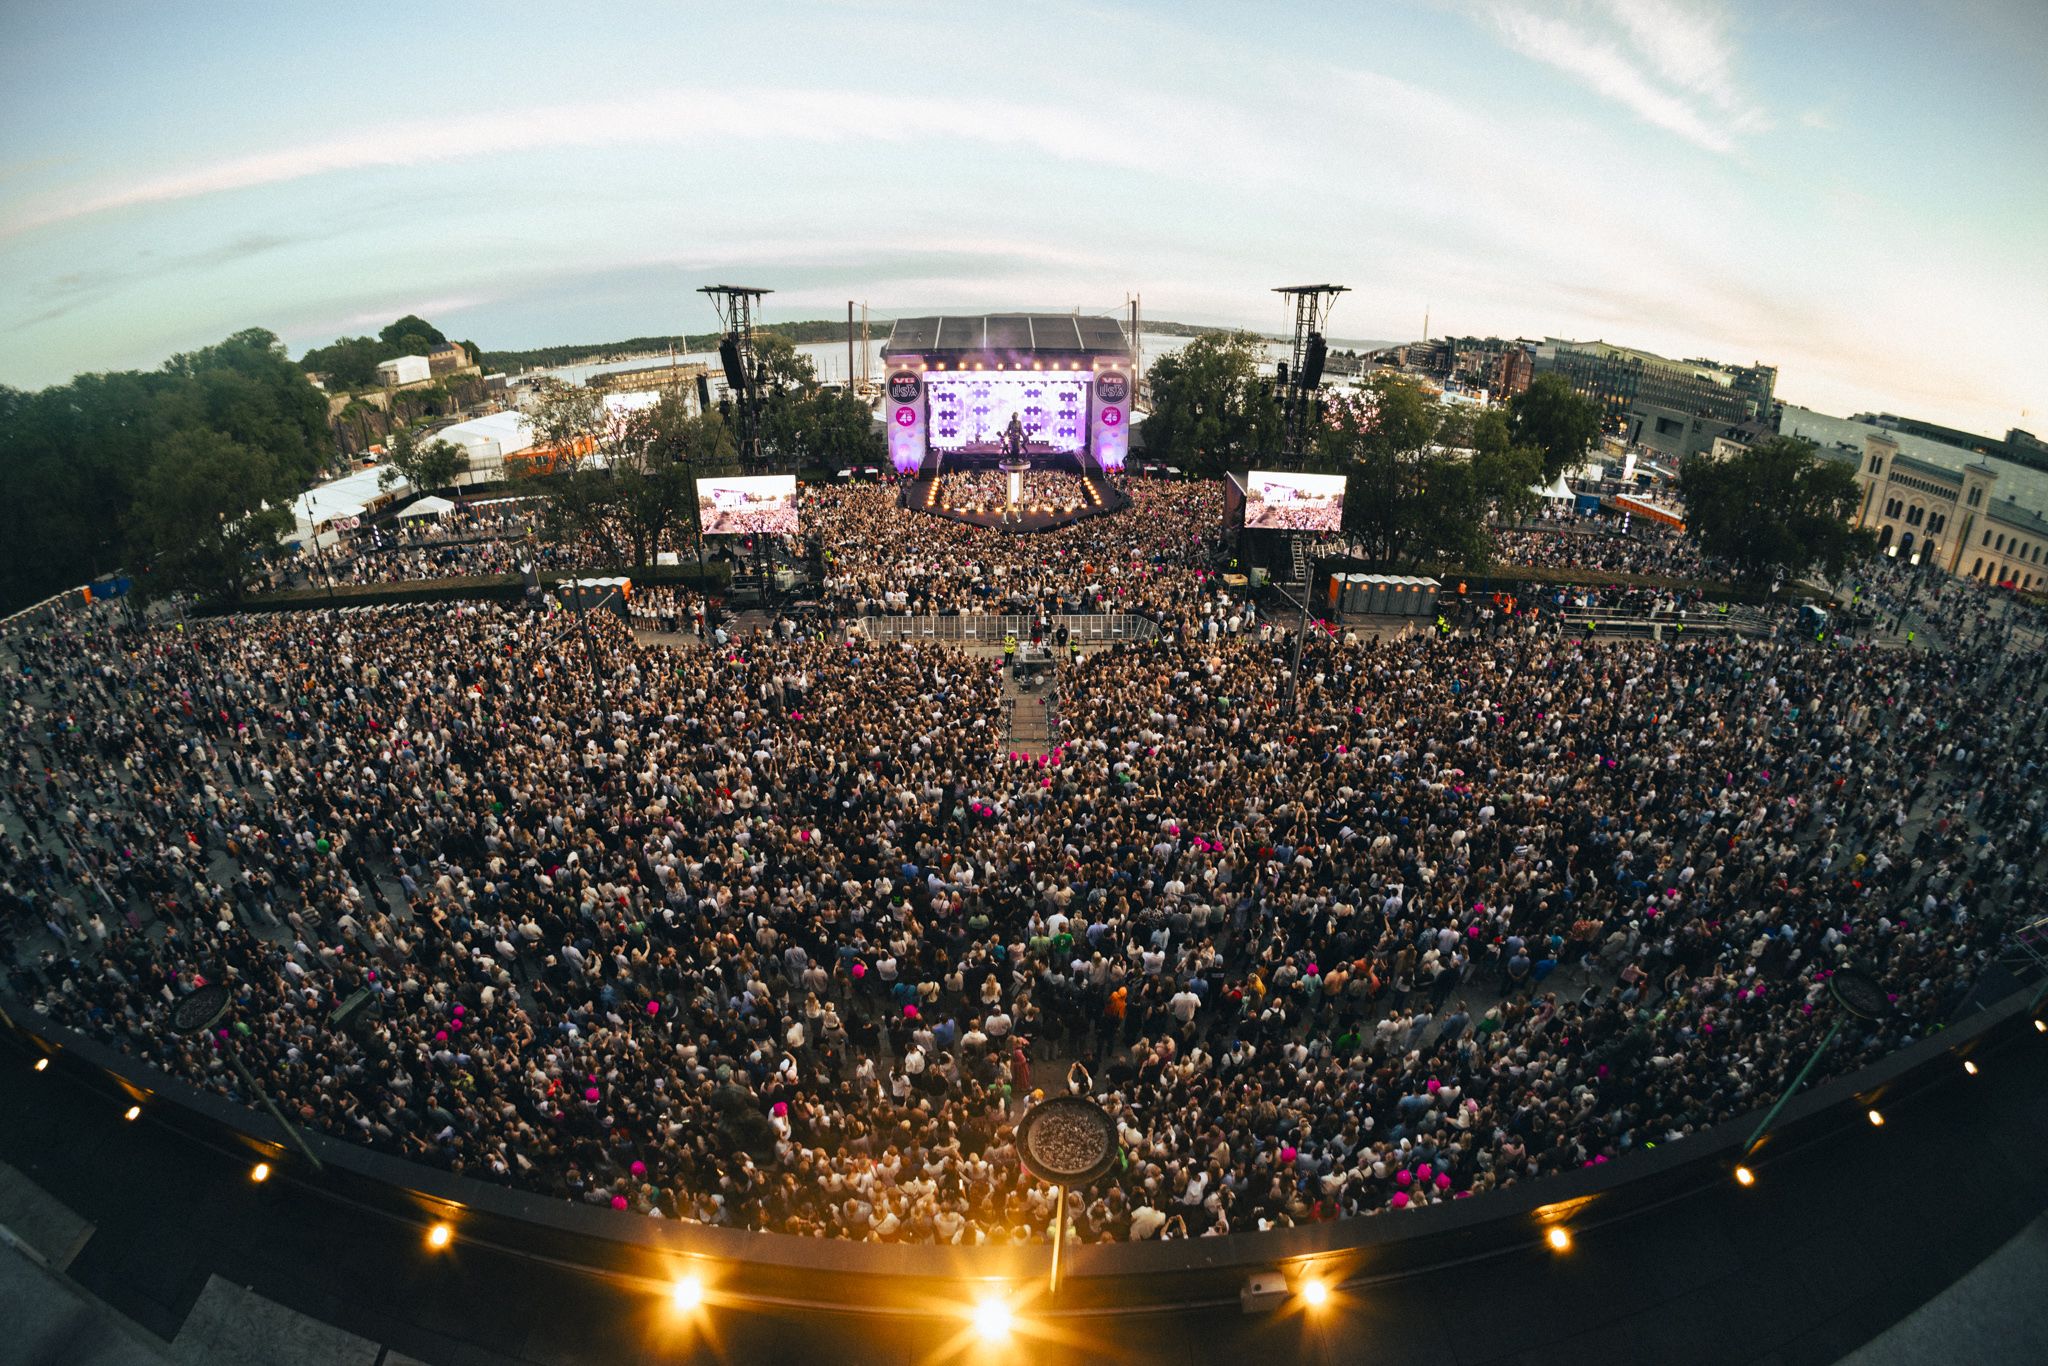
[
  {"x": 1066, "y": 1141},
  {"x": 1859, "y": 998},
  {"x": 198, "y": 1013}
]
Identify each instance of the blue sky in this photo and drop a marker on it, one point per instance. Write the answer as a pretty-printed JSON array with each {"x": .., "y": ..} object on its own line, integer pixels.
[{"x": 1853, "y": 191}]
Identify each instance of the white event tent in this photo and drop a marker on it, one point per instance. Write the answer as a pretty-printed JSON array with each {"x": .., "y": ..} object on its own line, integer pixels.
[
  {"x": 430, "y": 506},
  {"x": 356, "y": 494}
]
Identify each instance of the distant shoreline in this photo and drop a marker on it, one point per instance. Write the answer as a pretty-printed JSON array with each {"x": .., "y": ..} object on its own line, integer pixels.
[{"x": 809, "y": 332}]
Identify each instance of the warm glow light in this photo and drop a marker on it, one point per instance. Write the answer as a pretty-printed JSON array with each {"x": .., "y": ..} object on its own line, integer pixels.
[
  {"x": 1314, "y": 1293},
  {"x": 2040, "y": 1027},
  {"x": 1970, "y": 1067},
  {"x": 992, "y": 1319},
  {"x": 1561, "y": 1239},
  {"x": 260, "y": 1172},
  {"x": 42, "y": 1064},
  {"x": 134, "y": 1112},
  {"x": 1744, "y": 1176},
  {"x": 439, "y": 1236},
  {"x": 686, "y": 1294},
  {"x": 1877, "y": 1119}
]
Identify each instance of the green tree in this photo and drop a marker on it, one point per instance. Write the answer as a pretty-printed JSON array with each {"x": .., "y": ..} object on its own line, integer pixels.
[
  {"x": 1211, "y": 407},
  {"x": 426, "y": 465},
  {"x": 658, "y": 459},
  {"x": 563, "y": 414},
  {"x": 1425, "y": 479},
  {"x": 781, "y": 366},
  {"x": 412, "y": 335},
  {"x": 1557, "y": 420},
  {"x": 76, "y": 457},
  {"x": 207, "y": 508},
  {"x": 347, "y": 362},
  {"x": 1776, "y": 509}
]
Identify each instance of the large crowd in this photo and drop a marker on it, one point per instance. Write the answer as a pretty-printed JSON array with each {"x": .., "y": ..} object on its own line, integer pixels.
[
  {"x": 988, "y": 491},
  {"x": 1563, "y": 541},
  {"x": 1152, "y": 558},
  {"x": 778, "y": 931}
]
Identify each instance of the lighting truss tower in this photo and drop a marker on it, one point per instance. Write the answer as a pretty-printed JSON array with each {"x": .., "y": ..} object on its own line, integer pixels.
[
  {"x": 735, "y": 305},
  {"x": 1312, "y": 305}
]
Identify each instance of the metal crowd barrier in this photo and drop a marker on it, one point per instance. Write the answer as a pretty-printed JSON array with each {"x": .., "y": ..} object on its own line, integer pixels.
[{"x": 1089, "y": 628}]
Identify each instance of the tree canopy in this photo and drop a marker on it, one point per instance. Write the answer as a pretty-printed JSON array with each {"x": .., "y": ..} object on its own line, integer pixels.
[
  {"x": 1558, "y": 421},
  {"x": 87, "y": 496},
  {"x": 426, "y": 465},
  {"x": 1424, "y": 478},
  {"x": 1211, "y": 408},
  {"x": 1776, "y": 509},
  {"x": 647, "y": 493},
  {"x": 351, "y": 362}
]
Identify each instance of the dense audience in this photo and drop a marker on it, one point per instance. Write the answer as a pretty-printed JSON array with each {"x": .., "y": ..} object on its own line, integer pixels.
[
  {"x": 988, "y": 491},
  {"x": 779, "y": 932},
  {"x": 1147, "y": 559},
  {"x": 1590, "y": 543}
]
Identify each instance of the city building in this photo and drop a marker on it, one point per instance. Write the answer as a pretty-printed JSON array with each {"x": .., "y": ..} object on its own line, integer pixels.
[
  {"x": 1503, "y": 368},
  {"x": 2021, "y": 447},
  {"x": 452, "y": 358},
  {"x": 1672, "y": 408},
  {"x": 1929, "y": 513},
  {"x": 400, "y": 371}
]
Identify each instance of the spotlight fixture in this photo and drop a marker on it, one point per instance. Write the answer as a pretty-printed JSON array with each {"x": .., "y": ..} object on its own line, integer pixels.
[
  {"x": 1876, "y": 1119},
  {"x": 43, "y": 1064},
  {"x": 1969, "y": 1067},
  {"x": 1560, "y": 1239},
  {"x": 260, "y": 1173},
  {"x": 992, "y": 1319},
  {"x": 686, "y": 1294},
  {"x": 1315, "y": 1292},
  {"x": 134, "y": 1113},
  {"x": 439, "y": 1236},
  {"x": 2041, "y": 1026},
  {"x": 1744, "y": 1177}
]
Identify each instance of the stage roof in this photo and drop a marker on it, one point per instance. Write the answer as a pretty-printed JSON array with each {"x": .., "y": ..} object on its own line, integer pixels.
[{"x": 976, "y": 334}]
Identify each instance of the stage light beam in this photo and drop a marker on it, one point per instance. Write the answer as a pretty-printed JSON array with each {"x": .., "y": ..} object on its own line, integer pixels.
[
  {"x": 687, "y": 1294},
  {"x": 993, "y": 1319}
]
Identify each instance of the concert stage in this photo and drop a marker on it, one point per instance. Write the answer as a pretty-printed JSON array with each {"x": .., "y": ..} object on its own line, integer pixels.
[{"x": 1041, "y": 386}]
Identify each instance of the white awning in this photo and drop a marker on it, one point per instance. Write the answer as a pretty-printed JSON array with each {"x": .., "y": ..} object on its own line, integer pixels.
[{"x": 430, "y": 506}]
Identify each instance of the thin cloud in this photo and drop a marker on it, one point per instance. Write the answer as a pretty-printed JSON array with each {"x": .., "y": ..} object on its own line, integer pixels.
[
  {"x": 668, "y": 118},
  {"x": 1671, "y": 64}
]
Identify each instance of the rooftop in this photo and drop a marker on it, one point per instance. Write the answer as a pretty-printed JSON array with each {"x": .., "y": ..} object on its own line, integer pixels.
[{"x": 954, "y": 334}]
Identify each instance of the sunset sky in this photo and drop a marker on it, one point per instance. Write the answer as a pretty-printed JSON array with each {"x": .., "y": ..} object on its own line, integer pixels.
[{"x": 1856, "y": 193}]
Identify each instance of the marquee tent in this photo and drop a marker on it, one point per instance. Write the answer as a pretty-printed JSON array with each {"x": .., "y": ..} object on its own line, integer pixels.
[{"x": 430, "y": 506}]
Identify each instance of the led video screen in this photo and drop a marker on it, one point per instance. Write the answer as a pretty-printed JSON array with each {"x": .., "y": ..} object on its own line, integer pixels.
[
  {"x": 971, "y": 412},
  {"x": 1293, "y": 502},
  {"x": 748, "y": 505}
]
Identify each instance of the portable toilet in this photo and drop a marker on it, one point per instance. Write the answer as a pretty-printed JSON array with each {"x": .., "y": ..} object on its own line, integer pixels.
[
  {"x": 1355, "y": 594},
  {"x": 1378, "y": 600}
]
